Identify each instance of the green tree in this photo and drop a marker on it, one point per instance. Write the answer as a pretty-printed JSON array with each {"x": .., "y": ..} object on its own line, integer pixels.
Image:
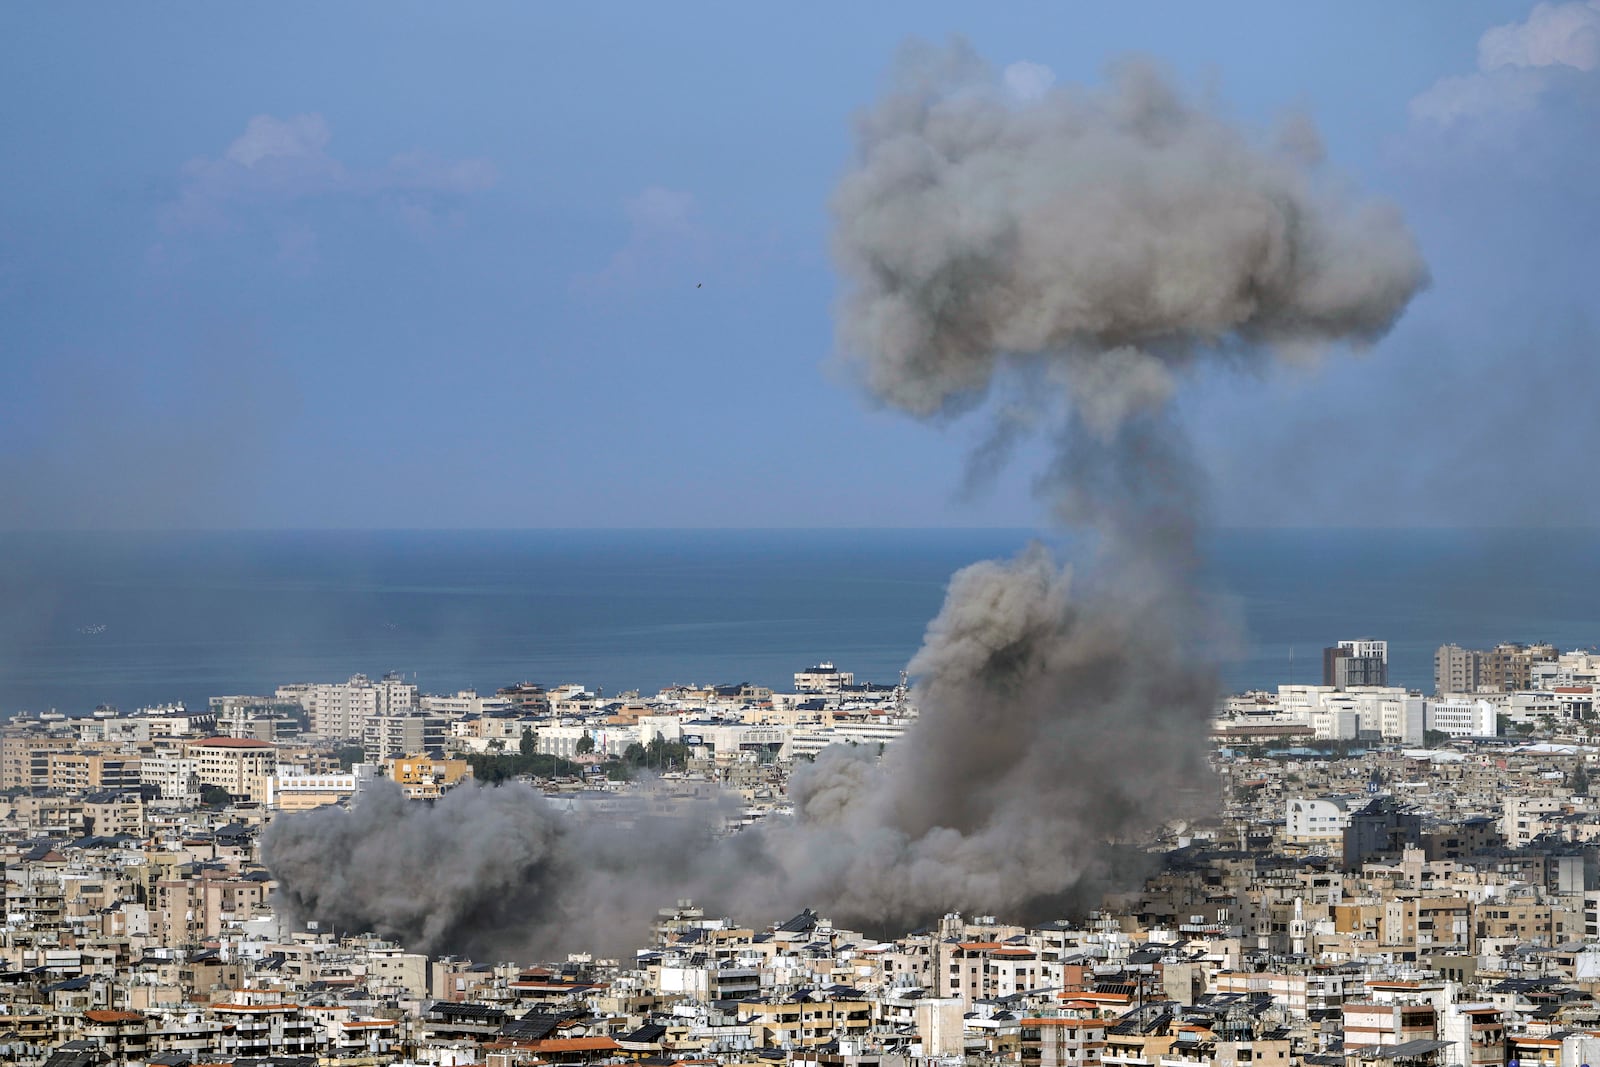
[
  {"x": 1434, "y": 738},
  {"x": 529, "y": 745},
  {"x": 349, "y": 755},
  {"x": 492, "y": 769},
  {"x": 1580, "y": 781},
  {"x": 585, "y": 745},
  {"x": 214, "y": 796},
  {"x": 659, "y": 755}
]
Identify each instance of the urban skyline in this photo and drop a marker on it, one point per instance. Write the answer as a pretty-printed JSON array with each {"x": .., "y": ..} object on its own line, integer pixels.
[{"x": 1128, "y": 275}]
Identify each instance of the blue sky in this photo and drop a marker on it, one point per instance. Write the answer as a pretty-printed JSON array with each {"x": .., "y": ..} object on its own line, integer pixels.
[{"x": 380, "y": 265}]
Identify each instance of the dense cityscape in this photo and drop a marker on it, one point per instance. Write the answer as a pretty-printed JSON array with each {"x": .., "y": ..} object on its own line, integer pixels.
[
  {"x": 351, "y": 355},
  {"x": 1390, "y": 877}
]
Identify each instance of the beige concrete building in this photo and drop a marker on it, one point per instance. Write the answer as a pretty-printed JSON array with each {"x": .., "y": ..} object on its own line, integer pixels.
[{"x": 242, "y": 766}]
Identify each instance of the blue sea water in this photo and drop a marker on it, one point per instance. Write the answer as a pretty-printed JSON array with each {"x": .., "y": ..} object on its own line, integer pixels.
[{"x": 133, "y": 619}]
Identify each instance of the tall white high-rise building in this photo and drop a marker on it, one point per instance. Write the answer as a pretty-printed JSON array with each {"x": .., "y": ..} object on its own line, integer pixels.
[{"x": 342, "y": 710}]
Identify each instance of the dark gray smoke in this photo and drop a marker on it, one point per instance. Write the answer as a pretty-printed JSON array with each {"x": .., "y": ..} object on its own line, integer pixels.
[
  {"x": 1055, "y": 720},
  {"x": 489, "y": 872},
  {"x": 1097, "y": 244}
]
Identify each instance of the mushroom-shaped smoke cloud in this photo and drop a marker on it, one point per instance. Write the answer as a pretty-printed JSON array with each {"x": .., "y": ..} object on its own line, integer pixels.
[
  {"x": 1103, "y": 240},
  {"x": 1120, "y": 234}
]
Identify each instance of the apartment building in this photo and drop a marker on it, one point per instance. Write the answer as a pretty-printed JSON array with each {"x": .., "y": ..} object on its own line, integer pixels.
[
  {"x": 291, "y": 789},
  {"x": 1369, "y": 1023},
  {"x": 1507, "y": 667},
  {"x": 1062, "y": 1042},
  {"x": 822, "y": 678},
  {"x": 340, "y": 711},
  {"x": 423, "y": 777},
  {"x": 1360, "y": 662},
  {"x": 1463, "y": 718},
  {"x": 192, "y": 909},
  {"x": 174, "y": 774},
  {"x": 1316, "y": 820},
  {"x": 242, "y": 766},
  {"x": 79, "y": 772},
  {"x": 980, "y": 970},
  {"x": 386, "y": 737},
  {"x": 802, "y": 1022},
  {"x": 25, "y": 760}
]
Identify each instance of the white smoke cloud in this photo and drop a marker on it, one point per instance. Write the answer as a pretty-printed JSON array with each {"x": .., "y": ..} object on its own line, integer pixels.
[{"x": 1518, "y": 63}]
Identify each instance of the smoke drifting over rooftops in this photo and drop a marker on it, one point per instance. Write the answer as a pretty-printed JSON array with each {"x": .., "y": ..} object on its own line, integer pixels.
[
  {"x": 1098, "y": 242},
  {"x": 491, "y": 872}
]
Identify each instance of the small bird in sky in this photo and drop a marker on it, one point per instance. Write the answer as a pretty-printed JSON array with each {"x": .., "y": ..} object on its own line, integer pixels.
[{"x": 698, "y": 284}]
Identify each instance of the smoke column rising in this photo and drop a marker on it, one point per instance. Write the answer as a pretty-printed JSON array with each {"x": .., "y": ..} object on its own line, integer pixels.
[{"x": 1087, "y": 249}]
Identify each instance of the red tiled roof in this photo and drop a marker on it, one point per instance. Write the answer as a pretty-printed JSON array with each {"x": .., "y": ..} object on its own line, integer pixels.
[{"x": 576, "y": 1044}]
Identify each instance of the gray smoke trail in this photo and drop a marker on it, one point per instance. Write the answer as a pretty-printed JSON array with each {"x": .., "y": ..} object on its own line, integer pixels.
[{"x": 1105, "y": 243}]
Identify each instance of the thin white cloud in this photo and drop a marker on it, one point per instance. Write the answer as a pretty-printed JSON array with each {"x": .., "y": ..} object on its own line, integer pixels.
[
  {"x": 660, "y": 210},
  {"x": 1028, "y": 80},
  {"x": 1517, "y": 64},
  {"x": 1554, "y": 35},
  {"x": 279, "y": 162},
  {"x": 664, "y": 235},
  {"x": 267, "y": 138}
]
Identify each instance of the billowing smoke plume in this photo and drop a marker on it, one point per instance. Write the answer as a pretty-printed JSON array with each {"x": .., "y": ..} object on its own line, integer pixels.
[
  {"x": 1096, "y": 244},
  {"x": 1054, "y": 720},
  {"x": 1120, "y": 235},
  {"x": 490, "y": 872}
]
